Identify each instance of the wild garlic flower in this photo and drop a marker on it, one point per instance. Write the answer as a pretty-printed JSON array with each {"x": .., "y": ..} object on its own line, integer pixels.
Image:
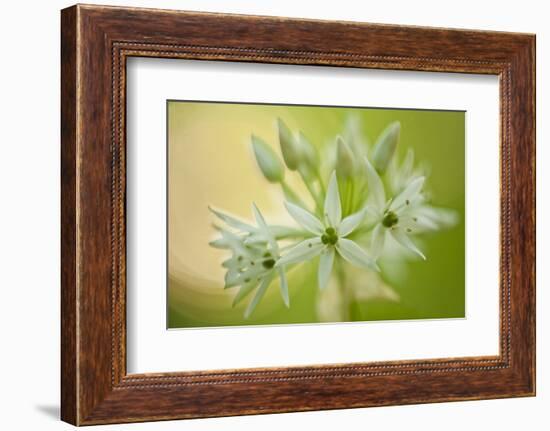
[
  {"x": 328, "y": 236},
  {"x": 397, "y": 217},
  {"x": 430, "y": 218},
  {"x": 255, "y": 253}
]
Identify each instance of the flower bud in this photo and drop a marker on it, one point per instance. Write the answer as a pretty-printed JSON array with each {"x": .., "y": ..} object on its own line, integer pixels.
[
  {"x": 269, "y": 163},
  {"x": 345, "y": 165},
  {"x": 385, "y": 146},
  {"x": 289, "y": 147},
  {"x": 309, "y": 154},
  {"x": 356, "y": 140}
]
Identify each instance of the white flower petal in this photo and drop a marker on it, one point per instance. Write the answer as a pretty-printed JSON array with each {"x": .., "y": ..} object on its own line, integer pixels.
[
  {"x": 415, "y": 222},
  {"x": 250, "y": 274},
  {"x": 284, "y": 286},
  {"x": 259, "y": 217},
  {"x": 406, "y": 170},
  {"x": 373, "y": 214},
  {"x": 220, "y": 243},
  {"x": 424, "y": 223},
  {"x": 256, "y": 239},
  {"x": 350, "y": 223},
  {"x": 264, "y": 228},
  {"x": 355, "y": 255},
  {"x": 232, "y": 263},
  {"x": 333, "y": 207},
  {"x": 305, "y": 219},
  {"x": 326, "y": 262},
  {"x": 410, "y": 193},
  {"x": 376, "y": 188},
  {"x": 442, "y": 217},
  {"x": 304, "y": 250},
  {"x": 243, "y": 292},
  {"x": 377, "y": 241},
  {"x": 402, "y": 238},
  {"x": 259, "y": 295},
  {"x": 233, "y": 221},
  {"x": 228, "y": 240},
  {"x": 231, "y": 278}
]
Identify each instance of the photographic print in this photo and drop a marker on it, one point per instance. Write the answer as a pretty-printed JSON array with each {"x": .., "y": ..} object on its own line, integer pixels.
[{"x": 296, "y": 214}]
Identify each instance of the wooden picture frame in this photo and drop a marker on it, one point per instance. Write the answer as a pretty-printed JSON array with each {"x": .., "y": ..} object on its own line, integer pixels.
[{"x": 96, "y": 41}]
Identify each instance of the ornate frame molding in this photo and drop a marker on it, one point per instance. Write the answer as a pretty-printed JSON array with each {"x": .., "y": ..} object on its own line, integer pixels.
[{"x": 96, "y": 41}]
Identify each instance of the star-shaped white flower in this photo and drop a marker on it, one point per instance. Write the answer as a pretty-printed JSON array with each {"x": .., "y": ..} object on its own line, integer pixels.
[
  {"x": 328, "y": 236},
  {"x": 429, "y": 218},
  {"x": 398, "y": 217},
  {"x": 254, "y": 254}
]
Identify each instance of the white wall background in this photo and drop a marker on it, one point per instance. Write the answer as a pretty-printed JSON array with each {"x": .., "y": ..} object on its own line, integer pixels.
[{"x": 29, "y": 214}]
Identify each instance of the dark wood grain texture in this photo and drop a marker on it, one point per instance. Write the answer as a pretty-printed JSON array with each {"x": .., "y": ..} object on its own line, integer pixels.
[
  {"x": 68, "y": 218},
  {"x": 95, "y": 43}
]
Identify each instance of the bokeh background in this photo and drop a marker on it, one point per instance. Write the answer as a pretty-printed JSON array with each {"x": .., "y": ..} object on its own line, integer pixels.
[{"x": 210, "y": 162}]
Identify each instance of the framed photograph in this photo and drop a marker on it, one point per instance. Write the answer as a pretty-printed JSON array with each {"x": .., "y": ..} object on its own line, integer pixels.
[
  {"x": 264, "y": 214},
  {"x": 331, "y": 221}
]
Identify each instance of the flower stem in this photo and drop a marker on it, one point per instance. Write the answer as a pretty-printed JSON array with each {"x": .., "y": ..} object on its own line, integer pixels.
[
  {"x": 318, "y": 174},
  {"x": 346, "y": 302},
  {"x": 291, "y": 195},
  {"x": 315, "y": 196}
]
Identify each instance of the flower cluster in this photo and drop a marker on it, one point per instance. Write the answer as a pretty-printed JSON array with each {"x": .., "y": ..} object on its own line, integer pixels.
[{"x": 362, "y": 202}]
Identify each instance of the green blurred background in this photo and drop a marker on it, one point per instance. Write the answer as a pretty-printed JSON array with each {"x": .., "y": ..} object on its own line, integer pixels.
[{"x": 210, "y": 162}]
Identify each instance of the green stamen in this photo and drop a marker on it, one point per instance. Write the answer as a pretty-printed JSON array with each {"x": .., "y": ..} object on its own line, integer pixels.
[
  {"x": 390, "y": 219},
  {"x": 330, "y": 237},
  {"x": 268, "y": 263}
]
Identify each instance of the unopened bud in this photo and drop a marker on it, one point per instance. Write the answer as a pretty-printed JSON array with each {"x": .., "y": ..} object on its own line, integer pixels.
[
  {"x": 289, "y": 147},
  {"x": 385, "y": 146},
  {"x": 269, "y": 163},
  {"x": 345, "y": 165}
]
